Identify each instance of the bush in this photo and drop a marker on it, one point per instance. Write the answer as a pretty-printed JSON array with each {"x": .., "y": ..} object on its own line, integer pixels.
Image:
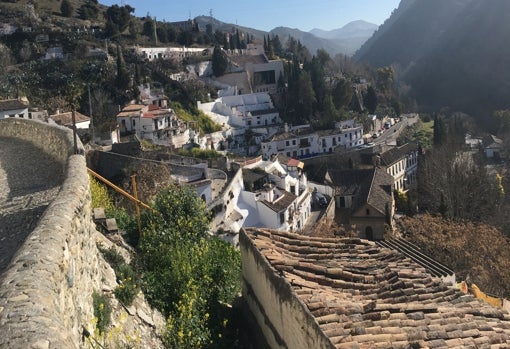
[
  {"x": 102, "y": 311},
  {"x": 127, "y": 289},
  {"x": 127, "y": 279}
]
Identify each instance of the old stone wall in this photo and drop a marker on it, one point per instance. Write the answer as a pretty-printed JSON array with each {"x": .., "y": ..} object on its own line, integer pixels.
[
  {"x": 284, "y": 320},
  {"x": 46, "y": 292}
]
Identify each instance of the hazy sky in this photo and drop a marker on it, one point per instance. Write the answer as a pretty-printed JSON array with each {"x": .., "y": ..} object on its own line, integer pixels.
[{"x": 265, "y": 14}]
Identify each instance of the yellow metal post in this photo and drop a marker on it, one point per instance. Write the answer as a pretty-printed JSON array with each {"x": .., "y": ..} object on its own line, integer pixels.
[{"x": 137, "y": 207}]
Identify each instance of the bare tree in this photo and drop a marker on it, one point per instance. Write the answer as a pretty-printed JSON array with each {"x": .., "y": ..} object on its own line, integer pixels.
[{"x": 457, "y": 185}]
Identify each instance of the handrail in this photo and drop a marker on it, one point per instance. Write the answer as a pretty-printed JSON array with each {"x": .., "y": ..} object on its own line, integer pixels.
[{"x": 120, "y": 190}]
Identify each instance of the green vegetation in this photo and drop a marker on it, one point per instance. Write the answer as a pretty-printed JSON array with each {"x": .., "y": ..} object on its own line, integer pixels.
[
  {"x": 203, "y": 122},
  {"x": 421, "y": 133},
  {"x": 188, "y": 275},
  {"x": 102, "y": 311},
  {"x": 127, "y": 278},
  {"x": 199, "y": 153},
  {"x": 100, "y": 195}
]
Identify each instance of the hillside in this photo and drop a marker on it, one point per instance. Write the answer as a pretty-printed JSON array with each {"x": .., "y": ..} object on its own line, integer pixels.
[
  {"x": 452, "y": 53},
  {"x": 44, "y": 13}
]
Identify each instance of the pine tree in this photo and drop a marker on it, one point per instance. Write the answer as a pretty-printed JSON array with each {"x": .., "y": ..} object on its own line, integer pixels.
[
  {"x": 66, "y": 8},
  {"x": 123, "y": 79},
  {"x": 219, "y": 61}
]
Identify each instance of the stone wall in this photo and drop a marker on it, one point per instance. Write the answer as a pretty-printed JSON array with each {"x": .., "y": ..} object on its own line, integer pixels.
[
  {"x": 46, "y": 292},
  {"x": 284, "y": 320}
]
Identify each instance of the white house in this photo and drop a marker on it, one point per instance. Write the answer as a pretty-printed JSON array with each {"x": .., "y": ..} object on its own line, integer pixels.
[
  {"x": 302, "y": 141},
  {"x": 152, "y": 53},
  {"x": 66, "y": 119},
  {"x": 402, "y": 164},
  {"x": 14, "y": 108},
  {"x": 274, "y": 198},
  {"x": 248, "y": 110},
  {"x": 148, "y": 122}
]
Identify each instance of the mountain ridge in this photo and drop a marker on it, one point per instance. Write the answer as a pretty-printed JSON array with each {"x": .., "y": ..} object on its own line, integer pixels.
[{"x": 452, "y": 54}]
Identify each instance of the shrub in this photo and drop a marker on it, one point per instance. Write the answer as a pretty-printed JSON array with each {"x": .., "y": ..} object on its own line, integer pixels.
[
  {"x": 127, "y": 289},
  {"x": 126, "y": 276},
  {"x": 102, "y": 311}
]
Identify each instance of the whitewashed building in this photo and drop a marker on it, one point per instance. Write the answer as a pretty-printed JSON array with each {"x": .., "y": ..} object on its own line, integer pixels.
[
  {"x": 248, "y": 110},
  {"x": 153, "y": 53},
  {"x": 273, "y": 198},
  {"x": 402, "y": 164},
  {"x": 14, "y": 108},
  {"x": 302, "y": 141}
]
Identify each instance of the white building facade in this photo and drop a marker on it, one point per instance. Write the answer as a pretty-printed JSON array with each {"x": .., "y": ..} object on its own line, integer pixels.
[{"x": 302, "y": 142}]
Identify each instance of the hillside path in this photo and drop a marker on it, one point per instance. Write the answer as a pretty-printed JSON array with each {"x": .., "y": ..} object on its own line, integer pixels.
[{"x": 29, "y": 181}]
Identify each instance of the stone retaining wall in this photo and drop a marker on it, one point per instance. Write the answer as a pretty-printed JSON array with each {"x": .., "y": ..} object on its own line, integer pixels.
[{"x": 46, "y": 292}]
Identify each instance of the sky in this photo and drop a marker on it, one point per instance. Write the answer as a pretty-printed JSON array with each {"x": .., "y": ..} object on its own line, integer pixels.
[{"x": 267, "y": 14}]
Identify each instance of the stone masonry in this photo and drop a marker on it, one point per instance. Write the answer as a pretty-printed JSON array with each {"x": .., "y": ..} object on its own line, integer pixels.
[{"x": 46, "y": 284}]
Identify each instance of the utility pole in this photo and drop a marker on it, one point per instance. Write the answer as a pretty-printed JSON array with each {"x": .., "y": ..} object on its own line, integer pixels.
[{"x": 90, "y": 114}]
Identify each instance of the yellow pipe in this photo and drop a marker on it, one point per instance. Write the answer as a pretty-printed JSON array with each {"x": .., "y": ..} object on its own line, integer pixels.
[
  {"x": 121, "y": 191},
  {"x": 137, "y": 207}
]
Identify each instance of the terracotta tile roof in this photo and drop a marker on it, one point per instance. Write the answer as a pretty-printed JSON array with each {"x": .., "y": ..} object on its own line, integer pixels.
[
  {"x": 282, "y": 203},
  {"x": 66, "y": 119},
  {"x": 13, "y": 104},
  {"x": 365, "y": 296},
  {"x": 131, "y": 110},
  {"x": 367, "y": 186},
  {"x": 347, "y": 182},
  {"x": 397, "y": 153},
  {"x": 491, "y": 141}
]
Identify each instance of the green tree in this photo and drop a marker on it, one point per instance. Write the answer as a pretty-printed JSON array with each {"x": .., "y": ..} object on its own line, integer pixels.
[
  {"x": 117, "y": 19},
  {"x": 385, "y": 79},
  {"x": 370, "y": 100},
  {"x": 187, "y": 275},
  {"x": 342, "y": 93},
  {"x": 305, "y": 96},
  {"x": 89, "y": 10},
  {"x": 219, "y": 61},
  {"x": 66, "y": 8},
  {"x": 123, "y": 79}
]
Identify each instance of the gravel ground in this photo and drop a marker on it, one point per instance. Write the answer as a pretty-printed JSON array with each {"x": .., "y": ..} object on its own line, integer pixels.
[{"x": 29, "y": 181}]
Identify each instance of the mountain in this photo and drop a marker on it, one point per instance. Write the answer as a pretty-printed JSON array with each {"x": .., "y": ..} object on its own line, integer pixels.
[
  {"x": 355, "y": 29},
  {"x": 203, "y": 21},
  {"x": 345, "y": 40},
  {"x": 452, "y": 53}
]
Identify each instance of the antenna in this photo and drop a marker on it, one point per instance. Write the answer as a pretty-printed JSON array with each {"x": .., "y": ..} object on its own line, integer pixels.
[
  {"x": 210, "y": 13},
  {"x": 190, "y": 14}
]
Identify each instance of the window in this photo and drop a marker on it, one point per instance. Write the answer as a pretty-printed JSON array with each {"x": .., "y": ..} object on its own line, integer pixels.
[
  {"x": 287, "y": 143},
  {"x": 282, "y": 217},
  {"x": 293, "y": 142},
  {"x": 368, "y": 212}
]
